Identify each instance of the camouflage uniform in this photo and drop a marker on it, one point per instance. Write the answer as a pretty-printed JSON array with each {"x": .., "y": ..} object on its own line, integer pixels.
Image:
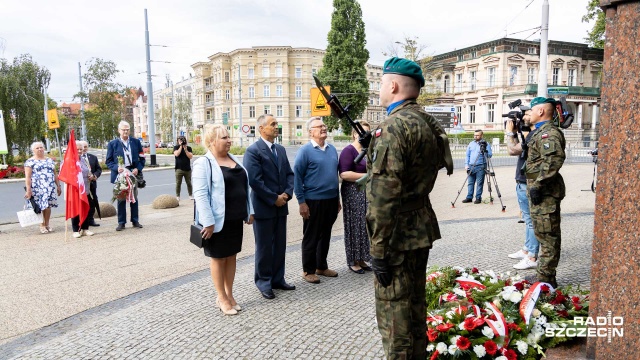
[
  {"x": 404, "y": 157},
  {"x": 546, "y": 156}
]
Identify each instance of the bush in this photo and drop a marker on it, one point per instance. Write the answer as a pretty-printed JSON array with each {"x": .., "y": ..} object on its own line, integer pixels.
[
  {"x": 342, "y": 138},
  {"x": 237, "y": 150},
  {"x": 487, "y": 135}
]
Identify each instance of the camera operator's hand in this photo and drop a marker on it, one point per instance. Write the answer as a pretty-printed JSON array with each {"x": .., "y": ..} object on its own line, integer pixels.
[
  {"x": 536, "y": 196},
  {"x": 382, "y": 271},
  {"x": 509, "y": 126}
]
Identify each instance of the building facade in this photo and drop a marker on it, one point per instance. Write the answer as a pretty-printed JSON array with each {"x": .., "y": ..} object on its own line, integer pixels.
[
  {"x": 374, "y": 113},
  {"x": 482, "y": 79},
  {"x": 185, "y": 116}
]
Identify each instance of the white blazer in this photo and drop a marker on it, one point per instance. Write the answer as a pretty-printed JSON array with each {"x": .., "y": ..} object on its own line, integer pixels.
[{"x": 210, "y": 206}]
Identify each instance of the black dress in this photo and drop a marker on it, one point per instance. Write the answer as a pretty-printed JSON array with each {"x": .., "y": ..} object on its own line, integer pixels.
[{"x": 228, "y": 241}]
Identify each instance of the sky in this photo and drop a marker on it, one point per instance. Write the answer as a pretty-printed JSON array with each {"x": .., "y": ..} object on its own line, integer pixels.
[{"x": 59, "y": 34}]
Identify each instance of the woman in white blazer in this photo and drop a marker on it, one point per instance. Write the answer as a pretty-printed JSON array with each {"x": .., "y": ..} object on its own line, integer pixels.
[{"x": 220, "y": 185}]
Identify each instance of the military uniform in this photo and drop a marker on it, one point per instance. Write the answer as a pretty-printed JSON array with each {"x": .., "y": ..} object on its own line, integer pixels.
[
  {"x": 546, "y": 156},
  {"x": 403, "y": 160}
]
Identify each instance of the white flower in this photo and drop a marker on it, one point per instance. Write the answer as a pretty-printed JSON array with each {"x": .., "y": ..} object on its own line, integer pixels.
[
  {"x": 494, "y": 281},
  {"x": 430, "y": 347},
  {"x": 441, "y": 347},
  {"x": 508, "y": 273},
  {"x": 536, "y": 313},
  {"x": 532, "y": 339},
  {"x": 515, "y": 297},
  {"x": 479, "y": 350},
  {"x": 541, "y": 320},
  {"x": 461, "y": 326},
  {"x": 460, "y": 292},
  {"x": 450, "y": 314},
  {"x": 522, "y": 347},
  {"x": 482, "y": 278},
  {"x": 454, "y": 339},
  {"x": 459, "y": 268},
  {"x": 547, "y": 307},
  {"x": 452, "y": 349},
  {"x": 537, "y": 329},
  {"x": 502, "y": 358},
  {"x": 497, "y": 303},
  {"x": 564, "y": 325},
  {"x": 486, "y": 331}
]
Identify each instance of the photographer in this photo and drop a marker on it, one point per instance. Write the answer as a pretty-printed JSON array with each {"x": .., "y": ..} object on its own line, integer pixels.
[
  {"x": 183, "y": 154},
  {"x": 529, "y": 253},
  {"x": 475, "y": 165}
]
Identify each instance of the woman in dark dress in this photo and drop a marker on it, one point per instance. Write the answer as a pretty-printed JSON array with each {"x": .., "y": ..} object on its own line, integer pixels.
[
  {"x": 220, "y": 189},
  {"x": 354, "y": 206}
]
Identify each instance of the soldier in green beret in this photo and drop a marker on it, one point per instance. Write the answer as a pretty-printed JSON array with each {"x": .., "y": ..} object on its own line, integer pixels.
[
  {"x": 403, "y": 160},
  {"x": 545, "y": 185}
]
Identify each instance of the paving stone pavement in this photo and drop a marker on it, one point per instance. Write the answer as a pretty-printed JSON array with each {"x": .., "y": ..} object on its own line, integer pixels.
[{"x": 335, "y": 319}]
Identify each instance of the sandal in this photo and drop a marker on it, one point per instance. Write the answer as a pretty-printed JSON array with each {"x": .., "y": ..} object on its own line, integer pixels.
[{"x": 43, "y": 230}]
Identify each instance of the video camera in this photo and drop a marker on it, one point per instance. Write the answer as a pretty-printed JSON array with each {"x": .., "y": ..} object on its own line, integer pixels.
[
  {"x": 483, "y": 145},
  {"x": 517, "y": 115}
]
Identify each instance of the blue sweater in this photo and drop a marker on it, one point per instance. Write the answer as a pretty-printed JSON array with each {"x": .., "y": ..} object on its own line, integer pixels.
[{"x": 315, "y": 173}]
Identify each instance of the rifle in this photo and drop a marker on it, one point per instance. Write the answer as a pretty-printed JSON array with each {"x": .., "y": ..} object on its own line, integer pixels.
[{"x": 364, "y": 137}]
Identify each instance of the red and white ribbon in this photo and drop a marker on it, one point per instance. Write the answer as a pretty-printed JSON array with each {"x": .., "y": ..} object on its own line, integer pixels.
[
  {"x": 498, "y": 326},
  {"x": 528, "y": 303},
  {"x": 130, "y": 197},
  {"x": 471, "y": 283}
]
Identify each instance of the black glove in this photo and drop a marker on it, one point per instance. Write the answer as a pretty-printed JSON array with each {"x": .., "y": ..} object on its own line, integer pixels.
[
  {"x": 382, "y": 271},
  {"x": 468, "y": 171},
  {"x": 536, "y": 196}
]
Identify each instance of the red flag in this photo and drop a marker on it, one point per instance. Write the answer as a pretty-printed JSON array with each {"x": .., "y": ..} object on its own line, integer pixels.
[{"x": 71, "y": 174}]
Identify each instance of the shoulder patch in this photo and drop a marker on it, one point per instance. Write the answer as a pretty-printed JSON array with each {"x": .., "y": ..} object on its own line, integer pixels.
[
  {"x": 544, "y": 136},
  {"x": 546, "y": 146},
  {"x": 378, "y": 132}
]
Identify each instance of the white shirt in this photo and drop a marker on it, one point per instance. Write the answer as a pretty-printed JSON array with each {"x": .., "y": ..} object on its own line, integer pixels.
[
  {"x": 267, "y": 142},
  {"x": 126, "y": 148},
  {"x": 316, "y": 145}
]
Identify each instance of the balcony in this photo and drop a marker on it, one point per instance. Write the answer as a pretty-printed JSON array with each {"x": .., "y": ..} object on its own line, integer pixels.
[
  {"x": 532, "y": 89},
  {"x": 208, "y": 104}
]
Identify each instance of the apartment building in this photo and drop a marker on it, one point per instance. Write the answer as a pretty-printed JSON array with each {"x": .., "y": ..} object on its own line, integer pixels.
[
  {"x": 183, "y": 95},
  {"x": 374, "y": 113},
  {"x": 481, "y": 80}
]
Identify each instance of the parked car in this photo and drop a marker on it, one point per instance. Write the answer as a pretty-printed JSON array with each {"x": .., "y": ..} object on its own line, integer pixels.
[
  {"x": 145, "y": 144},
  {"x": 170, "y": 145}
]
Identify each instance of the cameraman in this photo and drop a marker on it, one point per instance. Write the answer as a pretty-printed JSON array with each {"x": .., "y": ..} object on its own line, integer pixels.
[
  {"x": 476, "y": 170},
  {"x": 183, "y": 154},
  {"x": 529, "y": 253}
]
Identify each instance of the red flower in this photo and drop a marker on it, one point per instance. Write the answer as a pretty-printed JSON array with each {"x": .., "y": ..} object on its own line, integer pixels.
[
  {"x": 514, "y": 326},
  {"x": 436, "y": 318},
  {"x": 444, "y": 327},
  {"x": 435, "y": 355},
  {"x": 432, "y": 335},
  {"x": 463, "y": 343},
  {"x": 507, "y": 282},
  {"x": 519, "y": 286},
  {"x": 490, "y": 347},
  {"x": 559, "y": 299},
  {"x": 460, "y": 310},
  {"x": 563, "y": 313},
  {"x": 472, "y": 323},
  {"x": 475, "y": 270},
  {"x": 493, "y": 317},
  {"x": 577, "y": 307},
  {"x": 510, "y": 354},
  {"x": 544, "y": 288}
]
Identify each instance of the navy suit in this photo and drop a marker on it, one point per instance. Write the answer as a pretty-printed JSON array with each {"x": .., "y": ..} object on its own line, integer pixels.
[
  {"x": 268, "y": 178},
  {"x": 115, "y": 149},
  {"x": 94, "y": 166}
]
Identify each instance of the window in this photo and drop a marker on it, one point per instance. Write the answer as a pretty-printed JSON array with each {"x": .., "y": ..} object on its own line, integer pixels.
[
  {"x": 208, "y": 114},
  {"x": 298, "y": 111},
  {"x": 370, "y": 85},
  {"x": 250, "y": 73},
  {"x": 370, "y": 101},
  {"x": 531, "y": 76},
  {"x": 252, "y": 92},
  {"x": 491, "y": 109},
  {"x": 472, "y": 114},
  {"x": 227, "y": 94},
  {"x": 474, "y": 54},
  {"x": 252, "y": 111},
  {"x": 279, "y": 111},
  {"x": 279, "y": 90},
  {"x": 556, "y": 76},
  {"x": 226, "y": 76},
  {"x": 572, "y": 77},
  {"x": 460, "y": 57},
  {"x": 267, "y": 109},
  {"x": 513, "y": 75},
  {"x": 596, "y": 79},
  {"x": 472, "y": 80},
  {"x": 531, "y": 50},
  {"x": 278, "y": 70},
  {"x": 314, "y": 71},
  {"x": 298, "y": 91},
  {"x": 458, "y": 82},
  {"x": 265, "y": 70},
  {"x": 298, "y": 72},
  {"x": 207, "y": 98},
  {"x": 494, "y": 49},
  {"x": 491, "y": 77},
  {"x": 266, "y": 91},
  {"x": 447, "y": 84},
  {"x": 458, "y": 112}
]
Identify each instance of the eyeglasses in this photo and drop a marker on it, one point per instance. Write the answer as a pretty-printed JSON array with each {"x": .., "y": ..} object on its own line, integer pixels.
[
  {"x": 319, "y": 127},
  {"x": 124, "y": 129}
]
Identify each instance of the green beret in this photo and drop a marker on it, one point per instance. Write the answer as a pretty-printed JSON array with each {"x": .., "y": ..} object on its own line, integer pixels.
[
  {"x": 404, "y": 67},
  {"x": 542, "y": 100}
]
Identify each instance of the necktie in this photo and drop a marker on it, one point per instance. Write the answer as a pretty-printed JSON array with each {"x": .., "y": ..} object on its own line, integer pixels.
[{"x": 273, "y": 150}]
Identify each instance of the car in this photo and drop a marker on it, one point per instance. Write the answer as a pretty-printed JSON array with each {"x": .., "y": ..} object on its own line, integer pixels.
[
  {"x": 145, "y": 144},
  {"x": 170, "y": 145}
]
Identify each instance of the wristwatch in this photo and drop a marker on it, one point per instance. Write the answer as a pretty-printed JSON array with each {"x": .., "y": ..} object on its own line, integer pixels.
[{"x": 510, "y": 134}]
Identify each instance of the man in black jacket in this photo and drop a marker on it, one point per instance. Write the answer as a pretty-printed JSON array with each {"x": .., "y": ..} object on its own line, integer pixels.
[{"x": 95, "y": 173}]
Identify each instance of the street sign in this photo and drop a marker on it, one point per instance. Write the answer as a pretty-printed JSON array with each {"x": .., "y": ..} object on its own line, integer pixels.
[
  {"x": 53, "y": 119},
  {"x": 246, "y": 129},
  {"x": 558, "y": 90},
  {"x": 181, "y": 133},
  {"x": 319, "y": 106},
  {"x": 225, "y": 119},
  {"x": 444, "y": 114}
]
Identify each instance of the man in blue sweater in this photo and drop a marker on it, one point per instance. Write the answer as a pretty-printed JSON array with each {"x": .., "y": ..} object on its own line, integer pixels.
[
  {"x": 316, "y": 188},
  {"x": 475, "y": 165}
]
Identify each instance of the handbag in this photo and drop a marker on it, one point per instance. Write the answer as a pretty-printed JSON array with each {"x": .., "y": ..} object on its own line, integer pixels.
[
  {"x": 195, "y": 235},
  {"x": 28, "y": 217},
  {"x": 34, "y": 204}
]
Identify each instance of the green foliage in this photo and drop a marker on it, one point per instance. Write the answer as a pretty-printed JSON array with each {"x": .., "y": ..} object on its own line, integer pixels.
[
  {"x": 344, "y": 62},
  {"x": 237, "y": 150},
  {"x": 22, "y": 101},
  {"x": 595, "y": 37},
  {"x": 342, "y": 138},
  {"x": 487, "y": 135}
]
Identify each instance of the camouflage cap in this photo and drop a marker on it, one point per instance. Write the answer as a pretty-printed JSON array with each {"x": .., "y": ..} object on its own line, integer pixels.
[
  {"x": 542, "y": 100},
  {"x": 404, "y": 67}
]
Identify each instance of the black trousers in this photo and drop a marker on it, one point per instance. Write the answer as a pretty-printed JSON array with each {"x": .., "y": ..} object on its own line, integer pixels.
[
  {"x": 317, "y": 233},
  {"x": 75, "y": 221},
  {"x": 93, "y": 198}
]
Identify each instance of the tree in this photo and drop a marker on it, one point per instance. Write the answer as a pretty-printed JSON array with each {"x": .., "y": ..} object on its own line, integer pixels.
[
  {"x": 344, "y": 61},
  {"x": 182, "y": 109},
  {"x": 163, "y": 119},
  {"x": 22, "y": 100},
  {"x": 595, "y": 37}
]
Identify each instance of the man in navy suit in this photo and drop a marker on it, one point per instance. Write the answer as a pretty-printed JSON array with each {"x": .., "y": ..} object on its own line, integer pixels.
[
  {"x": 271, "y": 181},
  {"x": 130, "y": 150}
]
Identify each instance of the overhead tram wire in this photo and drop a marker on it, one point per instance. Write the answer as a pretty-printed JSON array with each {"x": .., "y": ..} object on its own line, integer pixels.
[{"x": 514, "y": 18}]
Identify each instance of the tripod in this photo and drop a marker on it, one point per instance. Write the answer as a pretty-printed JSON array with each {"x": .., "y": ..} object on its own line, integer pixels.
[{"x": 489, "y": 174}]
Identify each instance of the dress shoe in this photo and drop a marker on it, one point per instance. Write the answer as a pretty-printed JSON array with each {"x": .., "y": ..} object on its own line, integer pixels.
[
  {"x": 466, "y": 201},
  {"x": 327, "y": 273},
  {"x": 310, "y": 278},
  {"x": 237, "y": 307},
  {"x": 366, "y": 267},
  {"x": 359, "y": 271},
  {"x": 231, "y": 311},
  {"x": 137, "y": 225},
  {"x": 268, "y": 294},
  {"x": 478, "y": 201},
  {"x": 120, "y": 227},
  {"x": 284, "y": 286},
  {"x": 87, "y": 233},
  {"x": 94, "y": 224}
]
